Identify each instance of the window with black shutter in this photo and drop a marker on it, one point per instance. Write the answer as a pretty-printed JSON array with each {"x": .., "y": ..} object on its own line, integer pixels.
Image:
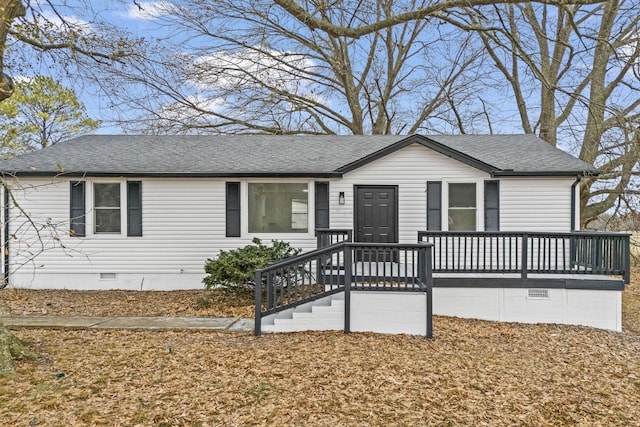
[
  {"x": 322, "y": 204},
  {"x": 492, "y": 205},
  {"x": 434, "y": 205},
  {"x": 134, "y": 208},
  {"x": 77, "y": 226},
  {"x": 233, "y": 209}
]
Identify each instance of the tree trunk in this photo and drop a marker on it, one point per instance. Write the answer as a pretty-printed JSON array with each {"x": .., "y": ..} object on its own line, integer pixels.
[
  {"x": 11, "y": 348},
  {"x": 9, "y": 10}
]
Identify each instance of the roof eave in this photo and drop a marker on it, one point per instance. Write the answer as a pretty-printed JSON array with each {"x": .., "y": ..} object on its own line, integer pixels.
[
  {"x": 511, "y": 173},
  {"x": 51, "y": 174}
]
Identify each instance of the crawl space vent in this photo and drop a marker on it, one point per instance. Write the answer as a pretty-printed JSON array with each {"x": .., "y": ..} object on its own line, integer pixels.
[
  {"x": 538, "y": 294},
  {"x": 107, "y": 276}
]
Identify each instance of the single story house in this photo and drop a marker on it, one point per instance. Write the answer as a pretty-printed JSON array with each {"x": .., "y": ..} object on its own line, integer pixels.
[{"x": 146, "y": 212}]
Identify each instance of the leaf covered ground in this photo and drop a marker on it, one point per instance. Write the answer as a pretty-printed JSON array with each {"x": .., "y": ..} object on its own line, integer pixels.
[
  {"x": 473, "y": 373},
  {"x": 194, "y": 303}
]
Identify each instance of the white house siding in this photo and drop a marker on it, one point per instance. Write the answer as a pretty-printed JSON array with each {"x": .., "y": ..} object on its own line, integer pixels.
[
  {"x": 526, "y": 204},
  {"x": 184, "y": 221},
  {"x": 535, "y": 204},
  {"x": 183, "y": 225}
]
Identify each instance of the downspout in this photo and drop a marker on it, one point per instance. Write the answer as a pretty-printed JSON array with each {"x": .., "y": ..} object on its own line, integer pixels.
[
  {"x": 573, "y": 202},
  {"x": 5, "y": 246}
]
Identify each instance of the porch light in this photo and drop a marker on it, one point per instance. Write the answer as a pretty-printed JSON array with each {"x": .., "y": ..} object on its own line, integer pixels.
[{"x": 341, "y": 198}]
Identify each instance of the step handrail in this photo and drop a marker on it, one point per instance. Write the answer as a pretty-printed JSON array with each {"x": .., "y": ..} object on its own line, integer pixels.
[{"x": 292, "y": 282}]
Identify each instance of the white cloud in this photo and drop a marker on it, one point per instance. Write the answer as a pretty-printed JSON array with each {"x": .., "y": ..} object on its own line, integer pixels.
[
  {"x": 252, "y": 68},
  {"x": 629, "y": 50},
  {"x": 21, "y": 78},
  {"x": 63, "y": 23},
  {"x": 149, "y": 10},
  {"x": 193, "y": 110}
]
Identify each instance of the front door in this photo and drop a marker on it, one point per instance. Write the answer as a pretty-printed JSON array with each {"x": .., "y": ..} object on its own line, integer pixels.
[{"x": 376, "y": 214}]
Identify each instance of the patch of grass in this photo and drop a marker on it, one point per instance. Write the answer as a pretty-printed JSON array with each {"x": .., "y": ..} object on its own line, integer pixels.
[
  {"x": 203, "y": 303},
  {"x": 260, "y": 391}
]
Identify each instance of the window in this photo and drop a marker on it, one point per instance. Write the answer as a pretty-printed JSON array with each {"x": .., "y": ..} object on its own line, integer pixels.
[
  {"x": 462, "y": 207},
  {"x": 110, "y": 208},
  {"x": 106, "y": 203},
  {"x": 278, "y": 208}
]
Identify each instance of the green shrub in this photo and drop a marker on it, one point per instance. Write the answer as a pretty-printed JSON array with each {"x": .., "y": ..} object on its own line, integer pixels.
[{"x": 234, "y": 270}]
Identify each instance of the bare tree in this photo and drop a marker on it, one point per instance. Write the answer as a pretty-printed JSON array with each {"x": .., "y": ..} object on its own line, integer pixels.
[
  {"x": 29, "y": 31},
  {"x": 254, "y": 68},
  {"x": 573, "y": 75},
  {"x": 311, "y": 14},
  {"x": 36, "y": 30},
  {"x": 27, "y": 240}
]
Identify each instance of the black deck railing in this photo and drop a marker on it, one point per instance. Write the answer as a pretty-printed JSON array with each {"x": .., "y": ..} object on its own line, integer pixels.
[
  {"x": 529, "y": 252},
  {"x": 344, "y": 267},
  {"x": 330, "y": 236}
]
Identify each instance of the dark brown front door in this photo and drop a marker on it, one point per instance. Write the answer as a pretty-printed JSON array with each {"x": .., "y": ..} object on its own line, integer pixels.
[{"x": 376, "y": 214}]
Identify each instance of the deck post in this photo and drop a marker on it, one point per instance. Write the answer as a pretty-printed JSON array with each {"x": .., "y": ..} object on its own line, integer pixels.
[
  {"x": 627, "y": 259},
  {"x": 525, "y": 255},
  {"x": 348, "y": 265},
  {"x": 270, "y": 291},
  {"x": 257, "y": 329},
  {"x": 425, "y": 274},
  {"x": 429, "y": 292}
]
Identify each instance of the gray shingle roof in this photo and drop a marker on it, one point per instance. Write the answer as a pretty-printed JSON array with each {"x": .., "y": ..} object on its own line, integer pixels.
[{"x": 264, "y": 155}]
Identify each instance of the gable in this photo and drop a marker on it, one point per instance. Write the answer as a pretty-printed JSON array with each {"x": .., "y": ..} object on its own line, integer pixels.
[
  {"x": 497, "y": 155},
  {"x": 413, "y": 162},
  {"x": 426, "y": 142}
]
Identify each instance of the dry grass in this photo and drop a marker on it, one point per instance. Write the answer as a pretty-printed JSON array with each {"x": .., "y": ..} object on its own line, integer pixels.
[
  {"x": 125, "y": 303},
  {"x": 631, "y": 304},
  {"x": 473, "y": 373}
]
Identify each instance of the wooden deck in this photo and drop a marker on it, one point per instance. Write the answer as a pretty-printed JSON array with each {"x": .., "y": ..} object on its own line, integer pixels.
[{"x": 393, "y": 272}]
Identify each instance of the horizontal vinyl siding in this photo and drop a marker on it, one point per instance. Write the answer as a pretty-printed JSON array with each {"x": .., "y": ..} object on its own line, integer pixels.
[
  {"x": 535, "y": 204},
  {"x": 183, "y": 220},
  {"x": 409, "y": 169},
  {"x": 183, "y": 225}
]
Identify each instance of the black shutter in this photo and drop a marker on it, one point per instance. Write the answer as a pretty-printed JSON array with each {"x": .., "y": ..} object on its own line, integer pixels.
[
  {"x": 233, "y": 209},
  {"x": 491, "y": 205},
  {"x": 77, "y": 210},
  {"x": 434, "y": 205},
  {"x": 322, "y": 204},
  {"x": 134, "y": 208}
]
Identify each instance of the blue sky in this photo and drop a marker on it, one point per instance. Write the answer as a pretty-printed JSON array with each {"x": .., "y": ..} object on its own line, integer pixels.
[{"x": 139, "y": 21}]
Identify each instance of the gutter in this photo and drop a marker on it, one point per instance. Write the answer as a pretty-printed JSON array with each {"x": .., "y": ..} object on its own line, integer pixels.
[
  {"x": 512, "y": 173},
  {"x": 87, "y": 174},
  {"x": 573, "y": 202}
]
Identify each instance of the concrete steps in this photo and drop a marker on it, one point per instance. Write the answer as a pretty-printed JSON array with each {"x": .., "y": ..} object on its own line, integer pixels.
[{"x": 321, "y": 315}]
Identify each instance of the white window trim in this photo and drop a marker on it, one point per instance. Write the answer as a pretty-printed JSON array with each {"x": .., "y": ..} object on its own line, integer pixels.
[
  {"x": 244, "y": 209},
  {"x": 479, "y": 201},
  {"x": 91, "y": 214}
]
